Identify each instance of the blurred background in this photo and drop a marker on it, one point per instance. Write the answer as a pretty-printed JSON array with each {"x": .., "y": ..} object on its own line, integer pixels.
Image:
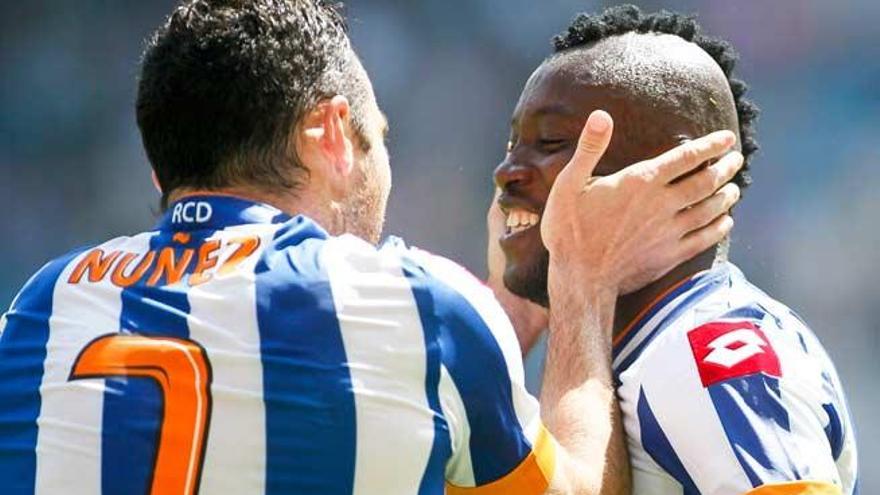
[{"x": 448, "y": 74}]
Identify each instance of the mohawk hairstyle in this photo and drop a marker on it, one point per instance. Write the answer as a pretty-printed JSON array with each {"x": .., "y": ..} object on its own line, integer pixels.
[{"x": 587, "y": 29}]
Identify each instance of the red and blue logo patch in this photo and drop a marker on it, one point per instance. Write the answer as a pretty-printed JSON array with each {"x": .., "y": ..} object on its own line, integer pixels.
[{"x": 725, "y": 350}]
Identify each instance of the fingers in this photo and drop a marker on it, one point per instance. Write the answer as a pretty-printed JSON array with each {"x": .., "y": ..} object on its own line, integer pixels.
[
  {"x": 591, "y": 145},
  {"x": 704, "y": 183},
  {"x": 688, "y": 156},
  {"x": 494, "y": 256},
  {"x": 700, "y": 240},
  {"x": 494, "y": 212},
  {"x": 704, "y": 212},
  {"x": 495, "y": 221}
]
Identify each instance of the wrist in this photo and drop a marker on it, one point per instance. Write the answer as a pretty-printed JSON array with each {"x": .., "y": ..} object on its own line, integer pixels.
[{"x": 565, "y": 282}]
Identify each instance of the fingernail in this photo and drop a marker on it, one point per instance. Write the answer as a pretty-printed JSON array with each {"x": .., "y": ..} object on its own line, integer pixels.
[
  {"x": 598, "y": 122},
  {"x": 731, "y": 138}
]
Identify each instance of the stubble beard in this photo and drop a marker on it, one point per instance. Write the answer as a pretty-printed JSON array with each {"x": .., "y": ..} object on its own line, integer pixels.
[
  {"x": 364, "y": 212},
  {"x": 530, "y": 282}
]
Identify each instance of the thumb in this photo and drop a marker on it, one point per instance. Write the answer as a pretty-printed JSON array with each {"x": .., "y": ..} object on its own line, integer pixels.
[
  {"x": 592, "y": 144},
  {"x": 494, "y": 217}
]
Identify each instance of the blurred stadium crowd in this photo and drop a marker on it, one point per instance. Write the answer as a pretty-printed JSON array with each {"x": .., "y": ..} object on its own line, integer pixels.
[{"x": 448, "y": 73}]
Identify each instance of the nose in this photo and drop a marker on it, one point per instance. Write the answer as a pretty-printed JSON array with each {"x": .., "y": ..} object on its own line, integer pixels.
[{"x": 509, "y": 175}]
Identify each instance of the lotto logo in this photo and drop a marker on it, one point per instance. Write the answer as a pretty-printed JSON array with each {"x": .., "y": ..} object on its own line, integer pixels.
[{"x": 725, "y": 350}]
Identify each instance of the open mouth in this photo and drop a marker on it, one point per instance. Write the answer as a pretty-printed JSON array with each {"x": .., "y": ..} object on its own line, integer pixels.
[{"x": 519, "y": 220}]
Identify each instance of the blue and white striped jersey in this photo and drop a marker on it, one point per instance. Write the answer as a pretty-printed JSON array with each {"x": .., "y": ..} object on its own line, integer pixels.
[
  {"x": 237, "y": 350},
  {"x": 725, "y": 391}
]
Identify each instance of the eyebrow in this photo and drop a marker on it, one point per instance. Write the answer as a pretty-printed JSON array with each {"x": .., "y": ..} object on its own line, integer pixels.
[{"x": 551, "y": 109}]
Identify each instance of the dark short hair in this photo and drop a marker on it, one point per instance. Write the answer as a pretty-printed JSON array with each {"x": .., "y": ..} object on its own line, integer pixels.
[
  {"x": 223, "y": 83},
  {"x": 587, "y": 29}
]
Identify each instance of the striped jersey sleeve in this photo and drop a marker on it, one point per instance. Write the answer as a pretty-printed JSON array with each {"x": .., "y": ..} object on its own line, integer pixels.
[
  {"x": 24, "y": 334},
  {"x": 499, "y": 444},
  {"x": 739, "y": 405}
]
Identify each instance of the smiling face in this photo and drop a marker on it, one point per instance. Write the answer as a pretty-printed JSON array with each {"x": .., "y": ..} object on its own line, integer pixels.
[{"x": 548, "y": 120}]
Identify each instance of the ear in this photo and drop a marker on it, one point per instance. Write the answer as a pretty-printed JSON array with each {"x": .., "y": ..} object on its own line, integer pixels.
[
  {"x": 328, "y": 139},
  {"x": 156, "y": 181}
]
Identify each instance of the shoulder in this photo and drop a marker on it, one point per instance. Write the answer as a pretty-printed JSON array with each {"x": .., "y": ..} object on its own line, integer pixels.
[
  {"x": 734, "y": 329},
  {"x": 299, "y": 253},
  {"x": 736, "y": 371},
  {"x": 716, "y": 342},
  {"x": 452, "y": 287},
  {"x": 38, "y": 292},
  {"x": 46, "y": 277},
  {"x": 460, "y": 303},
  {"x": 495, "y": 422}
]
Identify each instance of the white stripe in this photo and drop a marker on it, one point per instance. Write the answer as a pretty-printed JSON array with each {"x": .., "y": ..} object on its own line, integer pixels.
[
  {"x": 223, "y": 320},
  {"x": 686, "y": 414},
  {"x": 71, "y": 413},
  {"x": 803, "y": 392},
  {"x": 647, "y": 479},
  {"x": 459, "y": 470},
  {"x": 385, "y": 347}
]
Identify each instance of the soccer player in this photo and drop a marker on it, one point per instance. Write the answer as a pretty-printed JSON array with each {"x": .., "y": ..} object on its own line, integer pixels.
[
  {"x": 258, "y": 342},
  {"x": 723, "y": 390}
]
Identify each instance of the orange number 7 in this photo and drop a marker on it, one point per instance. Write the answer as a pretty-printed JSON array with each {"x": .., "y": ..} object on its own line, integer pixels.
[{"x": 182, "y": 370}]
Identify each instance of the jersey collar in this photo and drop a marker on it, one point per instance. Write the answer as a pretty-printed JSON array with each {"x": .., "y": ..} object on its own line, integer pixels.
[
  {"x": 666, "y": 308},
  {"x": 212, "y": 211}
]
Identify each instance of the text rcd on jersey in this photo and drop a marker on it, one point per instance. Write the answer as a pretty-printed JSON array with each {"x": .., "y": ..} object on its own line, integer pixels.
[{"x": 191, "y": 212}]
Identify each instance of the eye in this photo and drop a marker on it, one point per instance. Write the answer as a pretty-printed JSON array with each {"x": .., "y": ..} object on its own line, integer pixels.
[
  {"x": 511, "y": 143},
  {"x": 552, "y": 145}
]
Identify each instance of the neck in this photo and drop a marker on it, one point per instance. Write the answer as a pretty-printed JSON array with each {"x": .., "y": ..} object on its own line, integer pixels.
[
  {"x": 299, "y": 202},
  {"x": 282, "y": 201},
  {"x": 630, "y": 305}
]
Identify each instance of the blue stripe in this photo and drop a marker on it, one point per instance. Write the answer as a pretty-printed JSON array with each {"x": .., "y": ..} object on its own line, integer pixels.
[
  {"x": 133, "y": 406},
  {"x": 479, "y": 371},
  {"x": 307, "y": 389},
  {"x": 747, "y": 428},
  {"x": 690, "y": 301},
  {"x": 22, "y": 353},
  {"x": 747, "y": 312},
  {"x": 433, "y": 479},
  {"x": 657, "y": 445},
  {"x": 834, "y": 428},
  {"x": 803, "y": 342}
]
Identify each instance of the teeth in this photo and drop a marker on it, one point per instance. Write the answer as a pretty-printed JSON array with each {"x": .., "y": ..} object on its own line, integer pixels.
[
  {"x": 519, "y": 220},
  {"x": 514, "y": 218}
]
